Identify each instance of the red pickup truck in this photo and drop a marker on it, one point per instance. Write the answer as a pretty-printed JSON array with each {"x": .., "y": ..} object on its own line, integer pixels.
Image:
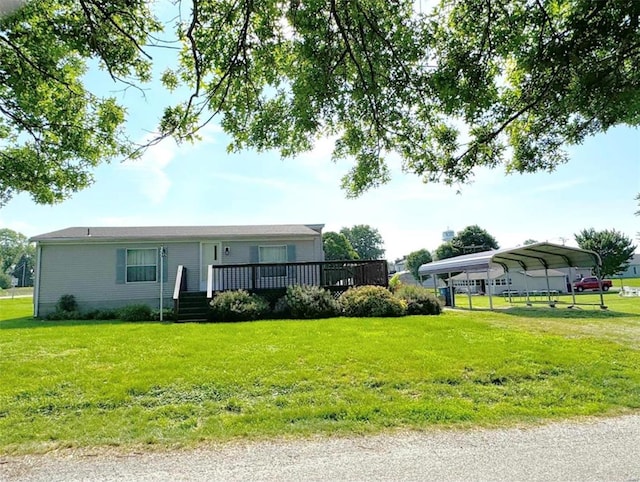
[{"x": 591, "y": 283}]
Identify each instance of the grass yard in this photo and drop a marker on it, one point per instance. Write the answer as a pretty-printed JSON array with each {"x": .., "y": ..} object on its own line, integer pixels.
[{"x": 84, "y": 384}]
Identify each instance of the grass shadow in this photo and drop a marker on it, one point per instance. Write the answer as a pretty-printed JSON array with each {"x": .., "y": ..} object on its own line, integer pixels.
[
  {"x": 31, "y": 323},
  {"x": 563, "y": 311}
]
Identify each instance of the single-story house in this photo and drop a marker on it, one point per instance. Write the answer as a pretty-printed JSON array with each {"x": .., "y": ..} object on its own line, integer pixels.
[
  {"x": 498, "y": 281},
  {"x": 111, "y": 267}
]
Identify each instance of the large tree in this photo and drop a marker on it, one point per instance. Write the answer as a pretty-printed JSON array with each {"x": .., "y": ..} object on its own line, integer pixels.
[
  {"x": 473, "y": 239},
  {"x": 447, "y": 90},
  {"x": 444, "y": 251},
  {"x": 366, "y": 240},
  {"x": 337, "y": 247},
  {"x": 53, "y": 129},
  {"x": 17, "y": 256},
  {"x": 416, "y": 259},
  {"x": 615, "y": 249}
]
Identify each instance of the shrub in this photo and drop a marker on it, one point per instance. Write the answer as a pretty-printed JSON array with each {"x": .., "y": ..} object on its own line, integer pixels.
[
  {"x": 238, "y": 306},
  {"x": 167, "y": 314},
  {"x": 64, "y": 315},
  {"x": 371, "y": 301},
  {"x": 395, "y": 283},
  {"x": 307, "y": 302},
  {"x": 106, "y": 315},
  {"x": 135, "y": 313},
  {"x": 67, "y": 303},
  {"x": 420, "y": 300},
  {"x": 5, "y": 281}
]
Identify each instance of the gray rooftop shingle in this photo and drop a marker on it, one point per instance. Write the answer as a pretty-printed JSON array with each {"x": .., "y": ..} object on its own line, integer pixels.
[{"x": 178, "y": 232}]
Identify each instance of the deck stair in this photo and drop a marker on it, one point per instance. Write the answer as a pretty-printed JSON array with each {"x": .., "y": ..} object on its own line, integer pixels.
[{"x": 193, "y": 306}]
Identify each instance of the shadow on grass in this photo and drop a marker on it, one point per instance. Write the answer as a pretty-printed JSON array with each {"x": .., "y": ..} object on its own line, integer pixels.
[
  {"x": 563, "y": 311},
  {"x": 29, "y": 323}
]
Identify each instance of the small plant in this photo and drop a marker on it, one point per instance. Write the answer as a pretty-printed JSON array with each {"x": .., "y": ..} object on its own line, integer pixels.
[
  {"x": 238, "y": 305},
  {"x": 395, "y": 283},
  {"x": 67, "y": 303},
  {"x": 371, "y": 301},
  {"x": 307, "y": 302},
  {"x": 135, "y": 313},
  {"x": 420, "y": 300}
]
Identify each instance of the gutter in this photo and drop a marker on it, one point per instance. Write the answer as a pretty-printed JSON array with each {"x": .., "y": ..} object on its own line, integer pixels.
[{"x": 36, "y": 284}]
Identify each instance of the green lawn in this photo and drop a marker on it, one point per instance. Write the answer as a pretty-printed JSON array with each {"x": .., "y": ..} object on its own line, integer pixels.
[{"x": 80, "y": 384}]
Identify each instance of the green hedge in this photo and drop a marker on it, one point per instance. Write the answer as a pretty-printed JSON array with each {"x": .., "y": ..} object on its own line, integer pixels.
[{"x": 373, "y": 301}]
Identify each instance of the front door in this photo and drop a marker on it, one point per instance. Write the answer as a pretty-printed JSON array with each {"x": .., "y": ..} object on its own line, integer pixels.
[{"x": 209, "y": 254}]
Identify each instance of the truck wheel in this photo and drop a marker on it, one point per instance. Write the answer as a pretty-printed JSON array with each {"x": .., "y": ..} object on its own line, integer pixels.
[
  {"x": 579, "y": 289},
  {"x": 605, "y": 288}
]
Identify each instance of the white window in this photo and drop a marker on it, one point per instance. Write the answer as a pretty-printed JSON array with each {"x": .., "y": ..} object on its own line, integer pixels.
[
  {"x": 142, "y": 265},
  {"x": 272, "y": 254}
]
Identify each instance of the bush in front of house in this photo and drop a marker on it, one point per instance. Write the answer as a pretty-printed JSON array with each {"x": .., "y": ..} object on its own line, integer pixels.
[
  {"x": 371, "y": 301},
  {"x": 64, "y": 315},
  {"x": 67, "y": 303},
  {"x": 307, "y": 302},
  {"x": 419, "y": 300},
  {"x": 139, "y": 312},
  {"x": 238, "y": 305}
]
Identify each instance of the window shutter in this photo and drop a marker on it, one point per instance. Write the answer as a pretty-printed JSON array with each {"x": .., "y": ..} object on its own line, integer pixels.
[
  {"x": 253, "y": 254},
  {"x": 121, "y": 266},
  {"x": 291, "y": 253}
]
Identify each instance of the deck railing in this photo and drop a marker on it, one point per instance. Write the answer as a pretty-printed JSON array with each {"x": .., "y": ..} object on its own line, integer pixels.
[{"x": 336, "y": 275}]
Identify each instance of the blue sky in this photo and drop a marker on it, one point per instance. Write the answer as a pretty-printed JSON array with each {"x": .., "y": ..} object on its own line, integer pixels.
[{"x": 202, "y": 184}]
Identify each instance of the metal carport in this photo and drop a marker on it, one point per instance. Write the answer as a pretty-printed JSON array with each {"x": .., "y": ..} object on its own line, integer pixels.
[{"x": 531, "y": 257}]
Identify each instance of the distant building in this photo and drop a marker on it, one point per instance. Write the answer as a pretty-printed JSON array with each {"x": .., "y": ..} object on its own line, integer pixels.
[
  {"x": 401, "y": 264},
  {"x": 447, "y": 235},
  {"x": 633, "y": 271}
]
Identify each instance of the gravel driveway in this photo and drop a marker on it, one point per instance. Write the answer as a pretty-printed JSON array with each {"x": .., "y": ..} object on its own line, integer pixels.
[{"x": 595, "y": 449}]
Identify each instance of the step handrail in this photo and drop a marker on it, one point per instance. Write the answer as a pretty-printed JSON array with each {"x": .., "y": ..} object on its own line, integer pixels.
[
  {"x": 181, "y": 282},
  {"x": 209, "y": 281}
]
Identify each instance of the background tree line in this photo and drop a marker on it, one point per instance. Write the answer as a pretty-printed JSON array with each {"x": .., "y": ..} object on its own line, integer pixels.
[{"x": 17, "y": 259}]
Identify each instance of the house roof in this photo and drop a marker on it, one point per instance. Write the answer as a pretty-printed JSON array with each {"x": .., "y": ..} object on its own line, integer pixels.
[
  {"x": 530, "y": 257},
  {"x": 103, "y": 233}
]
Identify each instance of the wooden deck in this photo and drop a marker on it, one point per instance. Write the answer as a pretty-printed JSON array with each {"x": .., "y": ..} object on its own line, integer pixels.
[{"x": 334, "y": 275}]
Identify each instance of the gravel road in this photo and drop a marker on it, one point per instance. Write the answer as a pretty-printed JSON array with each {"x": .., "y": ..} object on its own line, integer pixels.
[{"x": 595, "y": 449}]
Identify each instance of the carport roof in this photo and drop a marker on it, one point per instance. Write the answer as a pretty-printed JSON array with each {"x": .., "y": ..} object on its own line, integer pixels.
[{"x": 530, "y": 257}]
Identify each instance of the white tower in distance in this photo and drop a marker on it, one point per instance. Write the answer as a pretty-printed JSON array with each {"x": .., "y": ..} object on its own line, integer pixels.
[{"x": 447, "y": 235}]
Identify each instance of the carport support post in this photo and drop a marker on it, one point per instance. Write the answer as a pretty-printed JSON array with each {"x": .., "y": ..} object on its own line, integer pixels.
[
  {"x": 489, "y": 290},
  {"x": 469, "y": 290},
  {"x": 435, "y": 286},
  {"x": 546, "y": 275},
  {"x": 602, "y": 305},
  {"x": 573, "y": 292},
  {"x": 526, "y": 287},
  {"x": 451, "y": 297},
  {"x": 509, "y": 287}
]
